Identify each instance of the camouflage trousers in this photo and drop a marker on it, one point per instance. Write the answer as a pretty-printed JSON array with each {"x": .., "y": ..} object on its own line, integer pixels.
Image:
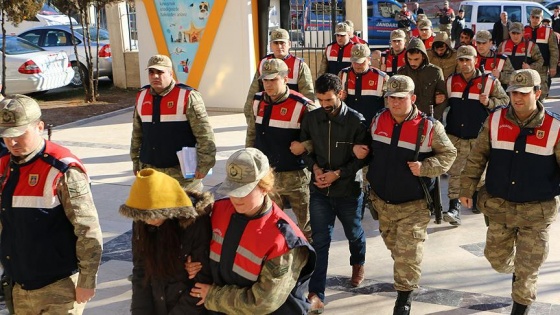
[
  {"x": 293, "y": 187},
  {"x": 464, "y": 147},
  {"x": 517, "y": 240},
  {"x": 403, "y": 228},
  {"x": 54, "y": 299},
  {"x": 543, "y": 73},
  {"x": 175, "y": 172},
  {"x": 445, "y": 28}
]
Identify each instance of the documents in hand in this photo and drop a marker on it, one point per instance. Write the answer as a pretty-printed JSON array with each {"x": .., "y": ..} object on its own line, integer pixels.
[{"x": 187, "y": 161}]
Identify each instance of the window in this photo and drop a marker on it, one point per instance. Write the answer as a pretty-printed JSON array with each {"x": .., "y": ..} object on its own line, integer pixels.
[
  {"x": 388, "y": 9},
  {"x": 514, "y": 13},
  {"x": 488, "y": 14},
  {"x": 32, "y": 37},
  {"x": 468, "y": 12}
]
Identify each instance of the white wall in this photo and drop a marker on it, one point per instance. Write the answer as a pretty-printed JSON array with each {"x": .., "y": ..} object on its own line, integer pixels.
[{"x": 231, "y": 64}]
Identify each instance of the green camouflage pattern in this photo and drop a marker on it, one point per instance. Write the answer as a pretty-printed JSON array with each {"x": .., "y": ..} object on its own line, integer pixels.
[
  {"x": 56, "y": 298},
  {"x": 201, "y": 129},
  {"x": 76, "y": 199},
  {"x": 277, "y": 278},
  {"x": 293, "y": 187},
  {"x": 464, "y": 147}
]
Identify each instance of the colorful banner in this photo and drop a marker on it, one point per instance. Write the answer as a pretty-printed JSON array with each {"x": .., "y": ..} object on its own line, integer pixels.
[{"x": 185, "y": 31}]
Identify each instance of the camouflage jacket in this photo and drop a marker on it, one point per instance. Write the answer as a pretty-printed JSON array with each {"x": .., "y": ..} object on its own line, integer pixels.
[{"x": 197, "y": 117}]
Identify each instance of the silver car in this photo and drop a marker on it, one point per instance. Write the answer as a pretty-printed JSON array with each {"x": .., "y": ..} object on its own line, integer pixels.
[{"x": 59, "y": 37}]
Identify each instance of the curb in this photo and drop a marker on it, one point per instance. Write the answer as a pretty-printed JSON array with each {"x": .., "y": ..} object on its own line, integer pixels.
[{"x": 84, "y": 121}]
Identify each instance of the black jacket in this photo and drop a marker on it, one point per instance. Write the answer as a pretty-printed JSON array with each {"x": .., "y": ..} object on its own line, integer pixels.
[
  {"x": 498, "y": 32},
  {"x": 333, "y": 140}
]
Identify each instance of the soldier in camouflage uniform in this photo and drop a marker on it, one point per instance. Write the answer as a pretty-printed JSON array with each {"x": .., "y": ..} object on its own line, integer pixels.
[
  {"x": 277, "y": 260},
  {"x": 299, "y": 76},
  {"x": 472, "y": 94},
  {"x": 520, "y": 146},
  {"x": 51, "y": 241},
  {"x": 278, "y": 112},
  {"x": 399, "y": 158},
  {"x": 169, "y": 116}
]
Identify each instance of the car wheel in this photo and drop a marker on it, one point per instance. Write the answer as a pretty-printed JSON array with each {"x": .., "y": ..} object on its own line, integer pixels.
[{"x": 77, "y": 80}]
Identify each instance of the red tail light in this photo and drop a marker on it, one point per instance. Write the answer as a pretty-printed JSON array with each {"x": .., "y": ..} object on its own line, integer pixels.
[
  {"x": 29, "y": 67},
  {"x": 105, "y": 51},
  {"x": 69, "y": 64}
]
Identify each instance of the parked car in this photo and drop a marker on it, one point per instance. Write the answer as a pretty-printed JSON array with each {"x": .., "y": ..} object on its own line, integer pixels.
[
  {"x": 550, "y": 5},
  {"x": 59, "y": 38},
  {"x": 48, "y": 15},
  {"x": 30, "y": 68}
]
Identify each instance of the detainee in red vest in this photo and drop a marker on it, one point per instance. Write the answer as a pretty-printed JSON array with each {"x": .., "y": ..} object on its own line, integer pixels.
[
  {"x": 520, "y": 147},
  {"x": 259, "y": 258},
  {"x": 51, "y": 241}
]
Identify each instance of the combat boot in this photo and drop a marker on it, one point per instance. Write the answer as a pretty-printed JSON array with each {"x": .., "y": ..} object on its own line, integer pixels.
[
  {"x": 403, "y": 303},
  {"x": 453, "y": 216},
  {"x": 474, "y": 199},
  {"x": 519, "y": 309}
]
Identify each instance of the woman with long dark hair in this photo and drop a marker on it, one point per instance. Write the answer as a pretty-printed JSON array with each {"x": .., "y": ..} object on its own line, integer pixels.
[{"x": 170, "y": 225}]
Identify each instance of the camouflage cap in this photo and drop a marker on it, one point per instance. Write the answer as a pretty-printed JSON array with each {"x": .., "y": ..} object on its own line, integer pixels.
[
  {"x": 159, "y": 62},
  {"x": 466, "y": 51},
  {"x": 279, "y": 35},
  {"x": 342, "y": 29},
  {"x": 536, "y": 12},
  {"x": 399, "y": 86},
  {"x": 424, "y": 24},
  {"x": 516, "y": 27},
  {"x": 18, "y": 113},
  {"x": 273, "y": 67},
  {"x": 359, "y": 53},
  {"x": 398, "y": 35},
  {"x": 524, "y": 80},
  {"x": 244, "y": 169},
  {"x": 421, "y": 16},
  {"x": 483, "y": 36}
]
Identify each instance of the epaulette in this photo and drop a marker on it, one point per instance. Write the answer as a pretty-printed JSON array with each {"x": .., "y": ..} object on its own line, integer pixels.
[
  {"x": 500, "y": 107},
  {"x": 258, "y": 96},
  {"x": 299, "y": 97},
  {"x": 552, "y": 114},
  {"x": 145, "y": 87},
  {"x": 347, "y": 69},
  {"x": 501, "y": 56},
  {"x": 184, "y": 86}
]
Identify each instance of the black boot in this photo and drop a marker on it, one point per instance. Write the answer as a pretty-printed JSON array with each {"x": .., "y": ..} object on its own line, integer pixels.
[
  {"x": 402, "y": 305},
  {"x": 453, "y": 216},
  {"x": 474, "y": 199},
  {"x": 519, "y": 309}
]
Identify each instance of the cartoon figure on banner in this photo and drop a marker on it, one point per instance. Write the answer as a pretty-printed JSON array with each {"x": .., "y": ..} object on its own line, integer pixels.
[{"x": 184, "y": 65}]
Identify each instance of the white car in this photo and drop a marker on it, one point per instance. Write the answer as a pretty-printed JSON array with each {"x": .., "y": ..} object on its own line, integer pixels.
[
  {"x": 30, "y": 68},
  {"x": 59, "y": 38}
]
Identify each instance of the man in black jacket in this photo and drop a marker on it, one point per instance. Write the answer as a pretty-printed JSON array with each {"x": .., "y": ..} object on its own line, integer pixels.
[
  {"x": 335, "y": 188},
  {"x": 500, "y": 31}
]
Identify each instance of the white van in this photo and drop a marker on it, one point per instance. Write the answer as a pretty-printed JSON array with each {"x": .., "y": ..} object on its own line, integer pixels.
[{"x": 481, "y": 15}]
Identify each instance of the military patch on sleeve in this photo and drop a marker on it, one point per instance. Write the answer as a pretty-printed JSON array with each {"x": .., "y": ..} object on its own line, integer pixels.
[
  {"x": 78, "y": 188},
  {"x": 280, "y": 270}
]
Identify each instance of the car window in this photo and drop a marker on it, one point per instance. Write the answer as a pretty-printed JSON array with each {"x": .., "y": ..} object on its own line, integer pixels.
[
  {"x": 514, "y": 12},
  {"x": 17, "y": 46},
  {"x": 55, "y": 38},
  {"x": 468, "y": 12},
  {"x": 32, "y": 36},
  {"x": 103, "y": 34},
  {"x": 488, "y": 14}
]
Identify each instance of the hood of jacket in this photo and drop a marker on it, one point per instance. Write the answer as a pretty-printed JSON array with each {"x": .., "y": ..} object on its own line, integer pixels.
[{"x": 417, "y": 43}]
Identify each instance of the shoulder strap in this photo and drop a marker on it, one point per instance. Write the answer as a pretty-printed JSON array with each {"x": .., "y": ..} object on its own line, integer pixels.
[{"x": 419, "y": 138}]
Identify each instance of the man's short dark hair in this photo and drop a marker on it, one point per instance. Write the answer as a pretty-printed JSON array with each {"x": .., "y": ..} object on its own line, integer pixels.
[
  {"x": 328, "y": 82},
  {"x": 461, "y": 10},
  {"x": 468, "y": 32}
]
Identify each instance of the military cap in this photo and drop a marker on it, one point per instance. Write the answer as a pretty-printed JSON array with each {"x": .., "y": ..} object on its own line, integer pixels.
[
  {"x": 399, "y": 86},
  {"x": 483, "y": 36},
  {"x": 536, "y": 12},
  {"x": 160, "y": 62},
  {"x": 18, "y": 113},
  {"x": 516, "y": 27},
  {"x": 524, "y": 80},
  {"x": 398, "y": 35},
  {"x": 273, "y": 67},
  {"x": 359, "y": 53},
  {"x": 244, "y": 169},
  {"x": 421, "y": 16},
  {"x": 424, "y": 24},
  {"x": 279, "y": 35},
  {"x": 466, "y": 51},
  {"x": 342, "y": 29}
]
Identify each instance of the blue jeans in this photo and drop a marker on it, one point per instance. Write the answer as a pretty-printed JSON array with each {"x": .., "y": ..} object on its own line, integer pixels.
[{"x": 323, "y": 211}]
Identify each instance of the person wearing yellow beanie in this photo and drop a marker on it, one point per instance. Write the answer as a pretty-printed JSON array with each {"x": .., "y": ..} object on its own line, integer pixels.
[{"x": 170, "y": 224}]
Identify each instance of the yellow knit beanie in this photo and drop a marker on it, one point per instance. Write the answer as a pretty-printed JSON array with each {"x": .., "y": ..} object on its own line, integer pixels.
[{"x": 155, "y": 195}]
